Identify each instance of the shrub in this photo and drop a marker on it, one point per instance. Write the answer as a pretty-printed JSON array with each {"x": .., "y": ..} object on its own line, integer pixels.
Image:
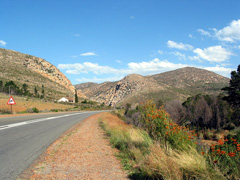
[
  {"x": 35, "y": 110},
  {"x": 32, "y": 110},
  {"x": 54, "y": 110},
  {"x": 161, "y": 128},
  {"x": 226, "y": 156}
]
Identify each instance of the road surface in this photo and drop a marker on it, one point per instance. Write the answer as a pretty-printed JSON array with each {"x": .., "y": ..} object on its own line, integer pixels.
[{"x": 23, "y": 139}]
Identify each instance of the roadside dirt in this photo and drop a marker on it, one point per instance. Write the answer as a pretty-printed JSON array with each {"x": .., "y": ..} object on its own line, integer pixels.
[{"x": 81, "y": 153}]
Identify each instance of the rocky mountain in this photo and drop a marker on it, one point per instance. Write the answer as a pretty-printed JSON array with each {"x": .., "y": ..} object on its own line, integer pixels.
[
  {"x": 35, "y": 72},
  {"x": 178, "y": 84}
]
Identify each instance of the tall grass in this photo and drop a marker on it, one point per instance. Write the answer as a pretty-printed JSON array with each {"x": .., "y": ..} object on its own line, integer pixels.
[
  {"x": 158, "y": 165},
  {"x": 133, "y": 143}
]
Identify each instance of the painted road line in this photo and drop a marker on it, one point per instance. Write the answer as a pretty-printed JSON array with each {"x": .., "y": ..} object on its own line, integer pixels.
[{"x": 35, "y": 121}]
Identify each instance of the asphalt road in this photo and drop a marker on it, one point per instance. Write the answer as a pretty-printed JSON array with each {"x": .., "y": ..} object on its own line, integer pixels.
[{"x": 24, "y": 138}]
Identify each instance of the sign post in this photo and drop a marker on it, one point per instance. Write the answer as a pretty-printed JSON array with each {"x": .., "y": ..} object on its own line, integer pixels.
[{"x": 11, "y": 102}]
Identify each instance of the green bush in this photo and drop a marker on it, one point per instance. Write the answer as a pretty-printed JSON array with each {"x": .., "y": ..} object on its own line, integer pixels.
[
  {"x": 35, "y": 110},
  {"x": 32, "y": 110}
]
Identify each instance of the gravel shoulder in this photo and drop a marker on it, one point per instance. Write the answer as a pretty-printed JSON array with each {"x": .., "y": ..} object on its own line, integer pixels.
[{"x": 83, "y": 152}]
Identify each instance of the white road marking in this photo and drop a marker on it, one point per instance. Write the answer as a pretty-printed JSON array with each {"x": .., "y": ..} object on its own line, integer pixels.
[{"x": 35, "y": 121}]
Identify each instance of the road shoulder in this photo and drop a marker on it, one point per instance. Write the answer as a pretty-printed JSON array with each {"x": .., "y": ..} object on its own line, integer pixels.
[{"x": 83, "y": 152}]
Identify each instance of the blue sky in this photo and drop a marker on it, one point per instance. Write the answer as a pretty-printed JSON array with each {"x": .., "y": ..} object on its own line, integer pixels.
[{"x": 104, "y": 40}]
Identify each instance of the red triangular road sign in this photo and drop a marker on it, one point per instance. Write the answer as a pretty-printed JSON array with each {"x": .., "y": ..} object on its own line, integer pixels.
[{"x": 11, "y": 101}]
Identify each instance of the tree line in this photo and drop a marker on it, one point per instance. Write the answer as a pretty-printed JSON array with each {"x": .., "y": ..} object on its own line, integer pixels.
[
  {"x": 210, "y": 111},
  {"x": 202, "y": 111},
  {"x": 12, "y": 88}
]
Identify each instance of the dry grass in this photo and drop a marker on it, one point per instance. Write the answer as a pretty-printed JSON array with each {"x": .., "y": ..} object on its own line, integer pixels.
[
  {"x": 24, "y": 103},
  {"x": 191, "y": 162},
  {"x": 115, "y": 124},
  {"x": 158, "y": 165},
  {"x": 171, "y": 164}
]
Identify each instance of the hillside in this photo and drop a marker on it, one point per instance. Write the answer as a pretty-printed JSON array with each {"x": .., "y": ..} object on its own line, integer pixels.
[
  {"x": 193, "y": 80},
  {"x": 178, "y": 84},
  {"x": 35, "y": 72}
]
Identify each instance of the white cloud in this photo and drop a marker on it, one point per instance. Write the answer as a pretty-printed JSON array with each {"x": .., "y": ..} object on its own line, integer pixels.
[
  {"x": 203, "y": 32},
  {"x": 2, "y": 43},
  {"x": 72, "y": 72},
  {"x": 230, "y": 33},
  {"x": 152, "y": 67},
  {"x": 118, "y": 61},
  {"x": 143, "y": 68},
  {"x": 190, "y": 35},
  {"x": 172, "y": 44},
  {"x": 180, "y": 55},
  {"x": 160, "y": 52},
  {"x": 86, "y": 67},
  {"x": 88, "y": 54},
  {"x": 220, "y": 70},
  {"x": 237, "y": 47},
  {"x": 98, "y": 80},
  {"x": 194, "y": 58},
  {"x": 213, "y": 53}
]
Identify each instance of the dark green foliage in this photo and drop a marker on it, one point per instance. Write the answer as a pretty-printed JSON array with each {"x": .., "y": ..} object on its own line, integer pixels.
[
  {"x": 76, "y": 96},
  {"x": 208, "y": 111},
  {"x": 11, "y": 87},
  {"x": 43, "y": 92},
  {"x": 1, "y": 85},
  {"x": 36, "y": 92},
  {"x": 32, "y": 110},
  {"x": 24, "y": 89},
  {"x": 159, "y": 103},
  {"x": 85, "y": 101},
  {"x": 235, "y": 118},
  {"x": 35, "y": 110},
  {"x": 233, "y": 90}
]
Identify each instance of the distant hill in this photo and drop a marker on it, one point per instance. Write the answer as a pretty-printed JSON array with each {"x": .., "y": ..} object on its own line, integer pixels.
[
  {"x": 35, "y": 72},
  {"x": 178, "y": 84}
]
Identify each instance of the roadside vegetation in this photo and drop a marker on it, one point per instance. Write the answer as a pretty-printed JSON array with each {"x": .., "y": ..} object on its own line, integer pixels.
[
  {"x": 201, "y": 141},
  {"x": 25, "y": 104}
]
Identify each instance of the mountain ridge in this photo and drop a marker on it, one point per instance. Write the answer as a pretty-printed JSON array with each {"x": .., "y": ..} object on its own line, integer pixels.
[{"x": 134, "y": 88}]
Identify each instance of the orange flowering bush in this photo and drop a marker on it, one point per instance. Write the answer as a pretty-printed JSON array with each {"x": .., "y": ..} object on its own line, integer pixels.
[
  {"x": 160, "y": 127},
  {"x": 226, "y": 155}
]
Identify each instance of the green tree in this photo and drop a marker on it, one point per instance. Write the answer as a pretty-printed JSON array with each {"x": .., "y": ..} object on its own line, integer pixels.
[
  {"x": 10, "y": 85},
  {"x": 36, "y": 92},
  {"x": 76, "y": 96},
  {"x": 1, "y": 85},
  {"x": 43, "y": 92},
  {"x": 84, "y": 102},
  {"x": 233, "y": 90},
  {"x": 25, "y": 89}
]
